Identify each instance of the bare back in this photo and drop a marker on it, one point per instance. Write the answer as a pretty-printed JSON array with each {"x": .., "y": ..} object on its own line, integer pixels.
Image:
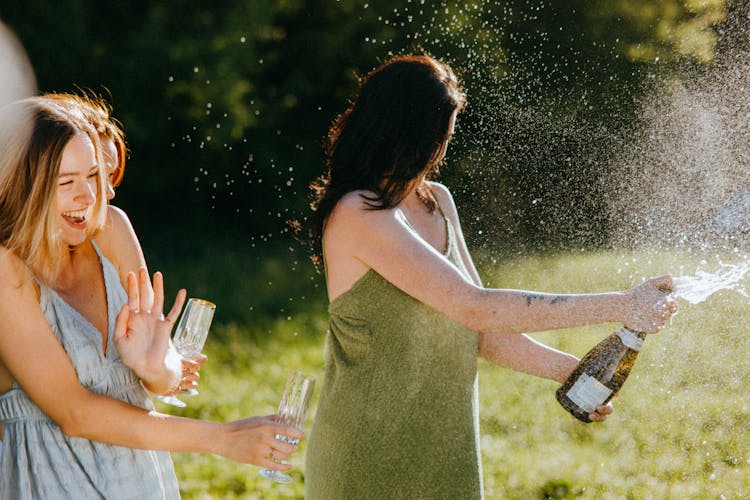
[{"x": 345, "y": 228}]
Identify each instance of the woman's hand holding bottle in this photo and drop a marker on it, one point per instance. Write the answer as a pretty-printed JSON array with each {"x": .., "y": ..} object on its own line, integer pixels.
[{"x": 586, "y": 393}]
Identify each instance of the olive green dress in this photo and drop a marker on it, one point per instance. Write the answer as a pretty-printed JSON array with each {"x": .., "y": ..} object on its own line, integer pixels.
[{"x": 397, "y": 414}]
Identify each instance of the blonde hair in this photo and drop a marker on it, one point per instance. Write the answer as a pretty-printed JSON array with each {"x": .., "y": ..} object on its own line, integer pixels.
[
  {"x": 33, "y": 136},
  {"x": 98, "y": 113}
]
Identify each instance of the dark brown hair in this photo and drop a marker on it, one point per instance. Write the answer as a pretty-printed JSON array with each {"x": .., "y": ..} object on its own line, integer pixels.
[{"x": 394, "y": 131}]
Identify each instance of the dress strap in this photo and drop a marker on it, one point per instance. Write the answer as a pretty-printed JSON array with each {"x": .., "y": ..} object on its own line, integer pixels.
[
  {"x": 97, "y": 250},
  {"x": 437, "y": 202},
  {"x": 448, "y": 226}
]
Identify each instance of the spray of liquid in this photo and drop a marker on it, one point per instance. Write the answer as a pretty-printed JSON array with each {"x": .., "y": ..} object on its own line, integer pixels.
[{"x": 697, "y": 288}]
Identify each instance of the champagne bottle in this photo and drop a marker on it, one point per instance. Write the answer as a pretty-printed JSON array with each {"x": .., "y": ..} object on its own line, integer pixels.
[{"x": 600, "y": 373}]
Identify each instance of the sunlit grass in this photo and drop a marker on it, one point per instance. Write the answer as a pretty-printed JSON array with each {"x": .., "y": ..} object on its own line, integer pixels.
[{"x": 681, "y": 428}]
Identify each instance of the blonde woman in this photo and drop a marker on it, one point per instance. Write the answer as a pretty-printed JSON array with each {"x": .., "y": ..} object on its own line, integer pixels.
[
  {"x": 117, "y": 230},
  {"x": 76, "y": 348}
]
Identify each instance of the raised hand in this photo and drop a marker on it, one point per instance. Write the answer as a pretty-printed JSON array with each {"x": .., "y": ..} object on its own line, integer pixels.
[{"x": 142, "y": 333}]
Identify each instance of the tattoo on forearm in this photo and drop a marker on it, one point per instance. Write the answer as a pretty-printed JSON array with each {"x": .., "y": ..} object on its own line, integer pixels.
[{"x": 531, "y": 297}]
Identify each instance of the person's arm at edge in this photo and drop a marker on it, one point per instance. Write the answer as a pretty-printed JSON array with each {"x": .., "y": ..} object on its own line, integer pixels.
[
  {"x": 51, "y": 382},
  {"x": 381, "y": 240}
]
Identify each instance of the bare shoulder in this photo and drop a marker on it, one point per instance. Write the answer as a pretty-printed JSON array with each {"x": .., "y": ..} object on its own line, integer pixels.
[
  {"x": 354, "y": 228},
  {"x": 442, "y": 192},
  {"x": 359, "y": 200},
  {"x": 117, "y": 223},
  {"x": 116, "y": 231},
  {"x": 12, "y": 269},
  {"x": 444, "y": 199},
  {"x": 15, "y": 276},
  {"x": 118, "y": 241},
  {"x": 354, "y": 208},
  {"x": 117, "y": 214}
]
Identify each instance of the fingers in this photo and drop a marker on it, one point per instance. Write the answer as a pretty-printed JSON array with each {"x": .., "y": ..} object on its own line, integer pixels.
[
  {"x": 279, "y": 451},
  {"x": 143, "y": 297},
  {"x": 654, "y": 305},
  {"x": 662, "y": 311},
  {"x": 190, "y": 367},
  {"x": 669, "y": 308},
  {"x": 190, "y": 375},
  {"x": 121, "y": 324},
  {"x": 145, "y": 290},
  {"x": 601, "y": 413},
  {"x": 280, "y": 435},
  {"x": 284, "y": 435},
  {"x": 261, "y": 441},
  {"x": 663, "y": 283},
  {"x": 274, "y": 463},
  {"x": 158, "y": 292},
  {"x": 188, "y": 382},
  {"x": 179, "y": 301},
  {"x": 133, "y": 295}
]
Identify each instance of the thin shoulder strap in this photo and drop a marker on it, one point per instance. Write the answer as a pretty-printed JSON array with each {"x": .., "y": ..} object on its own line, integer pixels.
[
  {"x": 437, "y": 202},
  {"x": 448, "y": 226},
  {"x": 96, "y": 249}
]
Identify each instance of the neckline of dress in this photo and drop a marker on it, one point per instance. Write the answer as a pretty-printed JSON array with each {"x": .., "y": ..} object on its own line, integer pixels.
[{"x": 80, "y": 316}]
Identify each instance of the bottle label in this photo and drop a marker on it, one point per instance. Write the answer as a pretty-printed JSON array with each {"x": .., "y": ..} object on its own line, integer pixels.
[
  {"x": 588, "y": 393},
  {"x": 630, "y": 339}
]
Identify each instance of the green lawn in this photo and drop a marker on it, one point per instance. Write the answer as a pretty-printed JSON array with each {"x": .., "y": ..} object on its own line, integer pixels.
[{"x": 681, "y": 428}]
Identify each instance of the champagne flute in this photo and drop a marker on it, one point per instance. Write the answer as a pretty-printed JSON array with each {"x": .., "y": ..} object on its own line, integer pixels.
[
  {"x": 295, "y": 401},
  {"x": 190, "y": 337}
]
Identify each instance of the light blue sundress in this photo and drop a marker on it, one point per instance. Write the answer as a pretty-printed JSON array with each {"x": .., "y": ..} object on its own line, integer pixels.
[{"x": 39, "y": 462}]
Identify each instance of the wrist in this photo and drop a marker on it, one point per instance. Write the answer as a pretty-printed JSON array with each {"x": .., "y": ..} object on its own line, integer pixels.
[
  {"x": 164, "y": 378},
  {"x": 567, "y": 364},
  {"x": 622, "y": 308},
  {"x": 221, "y": 440}
]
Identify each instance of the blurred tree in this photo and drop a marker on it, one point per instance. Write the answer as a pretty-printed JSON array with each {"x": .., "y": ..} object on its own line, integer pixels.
[{"x": 226, "y": 103}]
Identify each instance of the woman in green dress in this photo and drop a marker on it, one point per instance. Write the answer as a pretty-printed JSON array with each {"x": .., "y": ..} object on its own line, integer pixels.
[{"x": 397, "y": 415}]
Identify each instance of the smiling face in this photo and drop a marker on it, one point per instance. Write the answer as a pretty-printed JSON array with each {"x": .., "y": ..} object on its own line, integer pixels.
[{"x": 76, "y": 189}]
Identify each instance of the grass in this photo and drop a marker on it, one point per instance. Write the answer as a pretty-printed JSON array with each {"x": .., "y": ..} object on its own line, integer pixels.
[{"x": 680, "y": 430}]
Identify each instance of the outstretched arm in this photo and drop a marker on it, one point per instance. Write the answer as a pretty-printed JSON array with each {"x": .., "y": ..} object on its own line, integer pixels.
[
  {"x": 381, "y": 240},
  {"x": 37, "y": 361},
  {"x": 516, "y": 352}
]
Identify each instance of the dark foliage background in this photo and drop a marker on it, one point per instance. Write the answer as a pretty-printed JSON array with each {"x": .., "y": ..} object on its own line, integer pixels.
[{"x": 226, "y": 103}]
